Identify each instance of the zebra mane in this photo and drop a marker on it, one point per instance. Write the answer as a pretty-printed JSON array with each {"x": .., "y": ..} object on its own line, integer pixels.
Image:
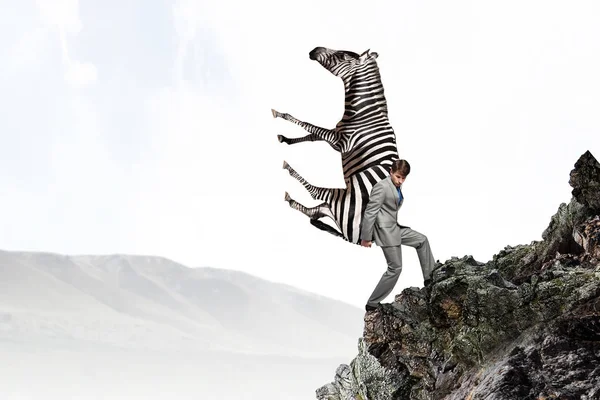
[{"x": 366, "y": 77}]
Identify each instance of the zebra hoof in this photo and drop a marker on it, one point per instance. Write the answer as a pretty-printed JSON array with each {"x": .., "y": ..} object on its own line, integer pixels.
[
  {"x": 287, "y": 196},
  {"x": 281, "y": 138},
  {"x": 285, "y": 165},
  {"x": 274, "y": 113}
]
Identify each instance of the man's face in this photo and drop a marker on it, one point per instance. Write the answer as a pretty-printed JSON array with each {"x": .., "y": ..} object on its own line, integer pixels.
[{"x": 397, "y": 178}]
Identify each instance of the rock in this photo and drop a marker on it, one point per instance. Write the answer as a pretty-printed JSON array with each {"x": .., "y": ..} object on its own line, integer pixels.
[
  {"x": 525, "y": 325},
  {"x": 363, "y": 379},
  {"x": 588, "y": 237},
  {"x": 585, "y": 181}
]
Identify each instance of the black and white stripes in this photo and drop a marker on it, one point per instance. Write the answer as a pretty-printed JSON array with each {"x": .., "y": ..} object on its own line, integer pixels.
[{"x": 364, "y": 138}]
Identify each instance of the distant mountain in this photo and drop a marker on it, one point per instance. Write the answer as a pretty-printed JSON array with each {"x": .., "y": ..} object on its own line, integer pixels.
[{"x": 152, "y": 303}]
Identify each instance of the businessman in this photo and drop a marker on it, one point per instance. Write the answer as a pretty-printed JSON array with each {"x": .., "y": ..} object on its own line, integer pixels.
[{"x": 380, "y": 225}]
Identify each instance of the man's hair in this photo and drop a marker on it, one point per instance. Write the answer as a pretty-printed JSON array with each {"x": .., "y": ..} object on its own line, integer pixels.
[{"x": 401, "y": 165}]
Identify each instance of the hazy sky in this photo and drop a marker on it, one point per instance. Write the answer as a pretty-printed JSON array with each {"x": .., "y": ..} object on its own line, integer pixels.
[{"x": 144, "y": 127}]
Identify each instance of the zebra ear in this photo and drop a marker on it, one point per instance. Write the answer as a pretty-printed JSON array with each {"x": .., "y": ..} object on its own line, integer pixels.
[
  {"x": 364, "y": 56},
  {"x": 367, "y": 54}
]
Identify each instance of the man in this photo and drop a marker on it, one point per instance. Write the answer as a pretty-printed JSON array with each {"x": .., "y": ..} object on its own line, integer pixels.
[{"x": 380, "y": 224}]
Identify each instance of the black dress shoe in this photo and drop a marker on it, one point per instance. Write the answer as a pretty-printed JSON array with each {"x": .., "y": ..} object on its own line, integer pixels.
[{"x": 369, "y": 307}]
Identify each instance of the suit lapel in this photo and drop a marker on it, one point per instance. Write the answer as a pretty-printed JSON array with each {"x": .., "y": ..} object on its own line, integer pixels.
[{"x": 394, "y": 190}]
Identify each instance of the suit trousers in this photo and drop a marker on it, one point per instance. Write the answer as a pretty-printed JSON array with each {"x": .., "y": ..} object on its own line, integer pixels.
[{"x": 393, "y": 256}]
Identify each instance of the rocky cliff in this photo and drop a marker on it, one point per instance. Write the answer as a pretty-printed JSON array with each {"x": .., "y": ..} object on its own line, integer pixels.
[{"x": 525, "y": 325}]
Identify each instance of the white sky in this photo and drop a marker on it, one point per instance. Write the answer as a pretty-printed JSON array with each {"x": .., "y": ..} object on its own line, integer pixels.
[{"x": 145, "y": 127}]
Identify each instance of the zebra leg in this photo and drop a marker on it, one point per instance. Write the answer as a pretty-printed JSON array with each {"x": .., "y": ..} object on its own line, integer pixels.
[
  {"x": 314, "y": 213},
  {"x": 315, "y": 132},
  {"x": 307, "y": 138},
  {"x": 324, "y": 227},
  {"x": 317, "y": 193}
]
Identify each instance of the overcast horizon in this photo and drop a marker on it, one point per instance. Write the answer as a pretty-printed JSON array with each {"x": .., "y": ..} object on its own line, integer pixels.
[
  {"x": 86, "y": 327},
  {"x": 145, "y": 128}
]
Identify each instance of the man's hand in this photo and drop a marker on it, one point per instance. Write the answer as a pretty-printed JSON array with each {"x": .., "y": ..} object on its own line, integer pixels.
[{"x": 365, "y": 243}]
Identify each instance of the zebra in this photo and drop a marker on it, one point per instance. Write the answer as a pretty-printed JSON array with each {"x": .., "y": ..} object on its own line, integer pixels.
[{"x": 364, "y": 138}]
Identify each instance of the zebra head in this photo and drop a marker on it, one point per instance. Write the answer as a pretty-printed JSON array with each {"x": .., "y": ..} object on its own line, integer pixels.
[{"x": 342, "y": 63}]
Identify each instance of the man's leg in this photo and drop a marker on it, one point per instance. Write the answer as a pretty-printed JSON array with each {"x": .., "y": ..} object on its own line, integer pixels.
[
  {"x": 393, "y": 256},
  {"x": 421, "y": 243}
]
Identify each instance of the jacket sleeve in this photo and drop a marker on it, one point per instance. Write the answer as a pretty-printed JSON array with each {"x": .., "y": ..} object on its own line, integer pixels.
[{"x": 368, "y": 220}]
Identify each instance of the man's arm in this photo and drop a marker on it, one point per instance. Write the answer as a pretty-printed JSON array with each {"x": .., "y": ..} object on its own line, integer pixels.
[{"x": 368, "y": 220}]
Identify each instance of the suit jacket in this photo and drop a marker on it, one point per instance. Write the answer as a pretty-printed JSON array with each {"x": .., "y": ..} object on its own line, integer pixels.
[{"x": 380, "y": 220}]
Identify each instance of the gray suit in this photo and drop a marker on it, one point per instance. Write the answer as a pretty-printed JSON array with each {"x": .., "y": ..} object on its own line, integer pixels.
[{"x": 380, "y": 224}]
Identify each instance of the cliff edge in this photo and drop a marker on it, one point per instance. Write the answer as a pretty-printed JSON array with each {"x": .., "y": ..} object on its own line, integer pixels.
[{"x": 525, "y": 325}]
